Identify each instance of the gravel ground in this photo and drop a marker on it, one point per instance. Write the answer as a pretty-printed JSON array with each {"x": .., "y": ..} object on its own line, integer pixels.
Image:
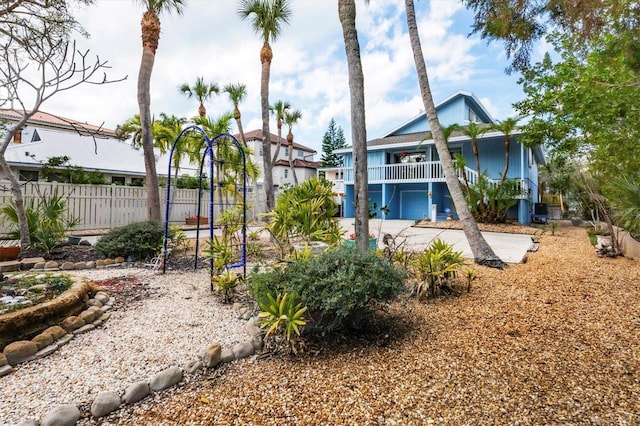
[
  {"x": 161, "y": 321},
  {"x": 552, "y": 341}
]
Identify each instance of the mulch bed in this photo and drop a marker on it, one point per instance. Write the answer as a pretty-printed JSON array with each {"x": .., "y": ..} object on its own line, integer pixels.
[{"x": 552, "y": 341}]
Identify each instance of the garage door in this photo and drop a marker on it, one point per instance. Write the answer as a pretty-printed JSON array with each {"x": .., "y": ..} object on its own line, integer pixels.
[{"x": 414, "y": 205}]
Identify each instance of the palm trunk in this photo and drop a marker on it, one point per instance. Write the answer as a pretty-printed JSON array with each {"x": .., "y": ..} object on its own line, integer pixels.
[
  {"x": 266, "y": 135},
  {"x": 347, "y": 14},
  {"x": 293, "y": 169},
  {"x": 278, "y": 144},
  {"x": 144, "y": 103},
  {"x": 483, "y": 254},
  {"x": 507, "y": 148}
]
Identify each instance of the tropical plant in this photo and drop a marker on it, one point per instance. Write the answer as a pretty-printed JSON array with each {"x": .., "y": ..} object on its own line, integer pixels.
[
  {"x": 47, "y": 218},
  {"x": 483, "y": 253},
  {"x": 281, "y": 314},
  {"x": 267, "y": 19},
  {"x": 150, "y": 28},
  {"x": 226, "y": 282},
  {"x": 306, "y": 212},
  {"x": 201, "y": 91},
  {"x": 625, "y": 197},
  {"x": 279, "y": 109},
  {"x": 340, "y": 287},
  {"x": 436, "y": 267},
  {"x": 507, "y": 127},
  {"x": 291, "y": 118},
  {"x": 347, "y": 15}
]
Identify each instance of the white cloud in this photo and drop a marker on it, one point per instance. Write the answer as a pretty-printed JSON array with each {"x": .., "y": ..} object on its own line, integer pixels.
[{"x": 309, "y": 68}]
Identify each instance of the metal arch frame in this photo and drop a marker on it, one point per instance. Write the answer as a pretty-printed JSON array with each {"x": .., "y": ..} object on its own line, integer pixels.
[{"x": 209, "y": 143}]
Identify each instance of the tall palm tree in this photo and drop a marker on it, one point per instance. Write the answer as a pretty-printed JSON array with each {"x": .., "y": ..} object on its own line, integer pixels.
[
  {"x": 201, "y": 91},
  {"x": 268, "y": 16},
  {"x": 483, "y": 253},
  {"x": 291, "y": 118},
  {"x": 150, "y": 28},
  {"x": 236, "y": 93},
  {"x": 474, "y": 131},
  {"x": 507, "y": 127},
  {"x": 347, "y": 15},
  {"x": 279, "y": 109}
]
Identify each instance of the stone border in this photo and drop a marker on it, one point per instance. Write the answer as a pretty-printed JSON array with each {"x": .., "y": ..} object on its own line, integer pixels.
[{"x": 106, "y": 402}]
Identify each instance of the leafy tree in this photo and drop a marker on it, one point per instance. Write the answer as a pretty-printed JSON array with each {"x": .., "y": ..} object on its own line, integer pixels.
[
  {"x": 521, "y": 23},
  {"x": 332, "y": 140},
  {"x": 150, "y": 28},
  {"x": 201, "y": 91},
  {"x": 347, "y": 15},
  {"x": 268, "y": 17},
  {"x": 483, "y": 253}
]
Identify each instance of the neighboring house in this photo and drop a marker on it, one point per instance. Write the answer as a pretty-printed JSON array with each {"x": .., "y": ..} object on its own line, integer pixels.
[
  {"x": 406, "y": 176},
  {"x": 91, "y": 147},
  {"x": 302, "y": 157}
]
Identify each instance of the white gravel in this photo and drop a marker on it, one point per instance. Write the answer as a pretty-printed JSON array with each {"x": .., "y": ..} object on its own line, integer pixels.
[{"x": 171, "y": 327}]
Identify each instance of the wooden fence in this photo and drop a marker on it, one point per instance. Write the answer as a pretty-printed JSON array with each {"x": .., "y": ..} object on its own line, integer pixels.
[{"x": 110, "y": 206}]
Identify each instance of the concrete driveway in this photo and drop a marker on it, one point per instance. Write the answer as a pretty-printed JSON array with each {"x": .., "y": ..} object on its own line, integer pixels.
[{"x": 511, "y": 248}]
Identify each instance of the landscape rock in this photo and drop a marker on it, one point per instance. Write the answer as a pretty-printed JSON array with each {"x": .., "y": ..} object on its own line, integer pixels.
[
  {"x": 30, "y": 263},
  {"x": 6, "y": 369},
  {"x": 72, "y": 323},
  {"x": 43, "y": 340},
  {"x": 91, "y": 264},
  {"x": 51, "y": 264},
  {"x": 80, "y": 265},
  {"x": 119, "y": 259},
  {"x": 104, "y": 403},
  {"x": 84, "y": 329},
  {"x": 102, "y": 297},
  {"x": 193, "y": 366},
  {"x": 136, "y": 392},
  {"x": 211, "y": 355},
  {"x": 165, "y": 379},
  {"x": 64, "y": 415},
  {"x": 39, "y": 265},
  {"x": 68, "y": 266},
  {"x": 20, "y": 351},
  {"x": 257, "y": 342},
  {"x": 243, "y": 350},
  {"x": 227, "y": 356},
  {"x": 64, "y": 340},
  {"x": 56, "y": 332},
  {"x": 46, "y": 351},
  {"x": 94, "y": 302},
  {"x": 87, "y": 316},
  {"x": 100, "y": 263},
  {"x": 3, "y": 359}
]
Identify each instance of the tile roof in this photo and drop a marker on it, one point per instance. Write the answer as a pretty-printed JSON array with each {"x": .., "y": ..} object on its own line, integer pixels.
[
  {"x": 51, "y": 120},
  {"x": 257, "y": 135}
]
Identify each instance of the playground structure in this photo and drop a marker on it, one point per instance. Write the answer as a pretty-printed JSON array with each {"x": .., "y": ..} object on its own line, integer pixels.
[{"x": 227, "y": 172}]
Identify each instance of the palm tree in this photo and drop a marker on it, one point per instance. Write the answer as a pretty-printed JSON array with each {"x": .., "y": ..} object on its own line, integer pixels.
[
  {"x": 291, "y": 118},
  {"x": 150, "y": 27},
  {"x": 483, "y": 253},
  {"x": 347, "y": 15},
  {"x": 237, "y": 92},
  {"x": 268, "y": 16},
  {"x": 201, "y": 91},
  {"x": 507, "y": 127},
  {"x": 474, "y": 131},
  {"x": 279, "y": 109}
]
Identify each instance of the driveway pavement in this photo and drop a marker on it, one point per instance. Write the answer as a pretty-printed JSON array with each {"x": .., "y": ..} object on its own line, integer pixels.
[{"x": 511, "y": 248}]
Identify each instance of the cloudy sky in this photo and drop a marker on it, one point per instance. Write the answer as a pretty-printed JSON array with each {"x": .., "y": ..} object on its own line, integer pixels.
[{"x": 308, "y": 69}]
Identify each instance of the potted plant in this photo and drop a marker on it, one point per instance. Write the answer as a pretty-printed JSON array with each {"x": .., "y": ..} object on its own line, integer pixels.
[
  {"x": 373, "y": 241},
  {"x": 196, "y": 220}
]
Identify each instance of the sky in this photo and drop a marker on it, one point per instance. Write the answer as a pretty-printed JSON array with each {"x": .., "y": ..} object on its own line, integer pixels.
[{"x": 309, "y": 66}]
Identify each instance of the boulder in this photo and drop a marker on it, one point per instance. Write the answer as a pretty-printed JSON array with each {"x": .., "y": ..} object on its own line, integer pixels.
[
  {"x": 165, "y": 379},
  {"x": 119, "y": 259},
  {"x": 64, "y": 415},
  {"x": 102, "y": 297},
  {"x": 56, "y": 332},
  {"x": 68, "y": 266},
  {"x": 91, "y": 264},
  {"x": 136, "y": 392},
  {"x": 104, "y": 403},
  {"x": 20, "y": 351},
  {"x": 193, "y": 366},
  {"x": 227, "y": 356},
  {"x": 211, "y": 355},
  {"x": 94, "y": 302},
  {"x": 87, "y": 316},
  {"x": 52, "y": 264},
  {"x": 3, "y": 359},
  {"x": 80, "y": 265},
  {"x": 48, "y": 350}
]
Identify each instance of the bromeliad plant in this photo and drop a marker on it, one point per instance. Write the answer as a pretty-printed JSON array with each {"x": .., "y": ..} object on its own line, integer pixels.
[
  {"x": 282, "y": 316},
  {"x": 437, "y": 266}
]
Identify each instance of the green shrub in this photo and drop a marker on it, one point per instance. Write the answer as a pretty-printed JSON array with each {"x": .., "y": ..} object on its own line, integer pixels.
[
  {"x": 436, "y": 267},
  {"x": 339, "y": 286},
  {"x": 139, "y": 240}
]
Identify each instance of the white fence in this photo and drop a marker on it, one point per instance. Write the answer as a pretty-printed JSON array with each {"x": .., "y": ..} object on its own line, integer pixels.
[{"x": 110, "y": 206}]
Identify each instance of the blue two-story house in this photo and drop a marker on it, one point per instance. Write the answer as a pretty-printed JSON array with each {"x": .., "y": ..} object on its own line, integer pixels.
[{"x": 406, "y": 176}]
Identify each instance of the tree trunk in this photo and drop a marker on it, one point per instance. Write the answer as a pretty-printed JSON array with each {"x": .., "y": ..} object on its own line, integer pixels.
[
  {"x": 266, "y": 135},
  {"x": 144, "y": 104},
  {"x": 483, "y": 254},
  {"x": 16, "y": 192},
  {"x": 293, "y": 169},
  {"x": 347, "y": 14}
]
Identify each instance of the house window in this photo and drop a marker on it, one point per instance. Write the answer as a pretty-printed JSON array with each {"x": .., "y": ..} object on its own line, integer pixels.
[
  {"x": 286, "y": 173},
  {"x": 453, "y": 150},
  {"x": 472, "y": 117},
  {"x": 286, "y": 151},
  {"x": 300, "y": 154},
  {"x": 117, "y": 180},
  {"x": 261, "y": 152},
  {"x": 28, "y": 175},
  {"x": 137, "y": 181}
]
